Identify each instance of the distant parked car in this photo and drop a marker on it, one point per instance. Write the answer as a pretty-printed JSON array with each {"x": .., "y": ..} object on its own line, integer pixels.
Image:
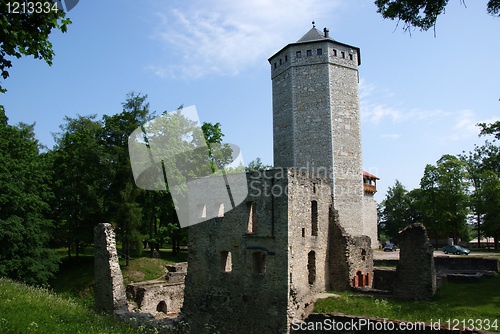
[
  {"x": 456, "y": 249},
  {"x": 390, "y": 248}
]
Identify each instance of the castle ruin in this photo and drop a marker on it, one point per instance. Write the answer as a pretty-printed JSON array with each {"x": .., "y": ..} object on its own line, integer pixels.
[{"x": 305, "y": 227}]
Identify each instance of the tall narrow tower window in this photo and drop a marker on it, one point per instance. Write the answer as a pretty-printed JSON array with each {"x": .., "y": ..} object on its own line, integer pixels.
[
  {"x": 259, "y": 262},
  {"x": 334, "y": 52},
  {"x": 350, "y": 57},
  {"x": 314, "y": 218},
  {"x": 226, "y": 262},
  {"x": 252, "y": 218},
  {"x": 342, "y": 54},
  {"x": 286, "y": 58},
  {"x": 311, "y": 267}
]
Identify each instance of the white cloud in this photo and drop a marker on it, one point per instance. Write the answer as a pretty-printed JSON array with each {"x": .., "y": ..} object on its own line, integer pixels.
[
  {"x": 391, "y": 136},
  {"x": 374, "y": 109},
  {"x": 466, "y": 125},
  {"x": 223, "y": 38}
]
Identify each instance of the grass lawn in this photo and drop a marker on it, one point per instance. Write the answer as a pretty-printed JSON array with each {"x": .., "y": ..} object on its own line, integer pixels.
[
  {"x": 68, "y": 308},
  {"x": 26, "y": 309},
  {"x": 452, "y": 301}
]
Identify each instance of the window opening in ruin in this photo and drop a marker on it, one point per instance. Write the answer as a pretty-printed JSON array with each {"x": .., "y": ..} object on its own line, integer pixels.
[
  {"x": 309, "y": 53},
  {"x": 350, "y": 57},
  {"x": 314, "y": 188},
  {"x": 286, "y": 58},
  {"x": 162, "y": 307},
  {"x": 280, "y": 62},
  {"x": 303, "y": 232},
  {"x": 314, "y": 218},
  {"x": 274, "y": 65},
  {"x": 311, "y": 267},
  {"x": 220, "y": 209},
  {"x": 226, "y": 261},
  {"x": 335, "y": 53},
  {"x": 252, "y": 218},
  {"x": 342, "y": 54},
  {"x": 202, "y": 211},
  {"x": 259, "y": 262},
  {"x": 320, "y": 52},
  {"x": 363, "y": 254},
  {"x": 299, "y": 54},
  {"x": 210, "y": 239}
]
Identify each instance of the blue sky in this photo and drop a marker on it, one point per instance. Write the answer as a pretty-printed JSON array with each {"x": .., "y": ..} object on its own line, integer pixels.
[{"x": 420, "y": 95}]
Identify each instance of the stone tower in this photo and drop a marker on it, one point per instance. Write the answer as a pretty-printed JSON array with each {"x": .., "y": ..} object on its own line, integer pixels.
[{"x": 316, "y": 119}]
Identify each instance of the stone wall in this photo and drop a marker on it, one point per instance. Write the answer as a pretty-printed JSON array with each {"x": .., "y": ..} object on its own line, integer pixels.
[
  {"x": 370, "y": 219},
  {"x": 108, "y": 288},
  {"x": 416, "y": 273},
  {"x": 257, "y": 280},
  {"x": 350, "y": 258}
]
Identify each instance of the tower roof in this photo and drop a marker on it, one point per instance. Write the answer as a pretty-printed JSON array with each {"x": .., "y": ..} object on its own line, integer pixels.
[{"x": 313, "y": 35}]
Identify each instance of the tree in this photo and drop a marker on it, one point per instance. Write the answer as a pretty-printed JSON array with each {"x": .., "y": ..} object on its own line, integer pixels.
[
  {"x": 24, "y": 34},
  {"x": 490, "y": 192},
  {"x": 394, "y": 211},
  {"x": 445, "y": 198},
  {"x": 421, "y": 14},
  {"x": 77, "y": 179},
  {"x": 490, "y": 129},
  {"x": 24, "y": 193},
  {"x": 120, "y": 194},
  {"x": 257, "y": 165}
]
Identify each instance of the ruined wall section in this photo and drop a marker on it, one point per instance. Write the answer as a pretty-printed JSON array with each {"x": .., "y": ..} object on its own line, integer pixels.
[
  {"x": 109, "y": 290},
  {"x": 249, "y": 292},
  {"x": 416, "y": 272},
  {"x": 350, "y": 258},
  {"x": 308, "y": 215}
]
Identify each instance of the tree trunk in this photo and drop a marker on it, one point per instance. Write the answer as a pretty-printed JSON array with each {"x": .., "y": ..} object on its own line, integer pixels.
[
  {"x": 478, "y": 231},
  {"x": 127, "y": 252}
]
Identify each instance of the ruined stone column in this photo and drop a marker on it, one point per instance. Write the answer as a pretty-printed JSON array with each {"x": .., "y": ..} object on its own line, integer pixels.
[
  {"x": 415, "y": 273},
  {"x": 109, "y": 290}
]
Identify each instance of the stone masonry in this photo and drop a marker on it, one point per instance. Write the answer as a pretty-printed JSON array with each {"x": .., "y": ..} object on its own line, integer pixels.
[
  {"x": 108, "y": 289},
  {"x": 259, "y": 267},
  {"x": 416, "y": 273},
  {"x": 316, "y": 119}
]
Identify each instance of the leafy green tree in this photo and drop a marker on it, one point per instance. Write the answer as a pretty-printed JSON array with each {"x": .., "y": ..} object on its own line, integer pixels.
[
  {"x": 23, "y": 34},
  {"x": 120, "y": 194},
  {"x": 77, "y": 180},
  {"x": 490, "y": 192},
  {"x": 445, "y": 198},
  {"x": 24, "y": 193},
  {"x": 257, "y": 165},
  {"x": 490, "y": 129},
  {"x": 394, "y": 211},
  {"x": 421, "y": 14}
]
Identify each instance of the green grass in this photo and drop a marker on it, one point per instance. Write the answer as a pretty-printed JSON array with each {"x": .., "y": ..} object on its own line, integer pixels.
[
  {"x": 25, "y": 309},
  {"x": 68, "y": 308},
  {"x": 452, "y": 301}
]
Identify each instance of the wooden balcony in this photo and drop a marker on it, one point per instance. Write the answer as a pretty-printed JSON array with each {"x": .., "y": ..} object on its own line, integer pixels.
[{"x": 369, "y": 188}]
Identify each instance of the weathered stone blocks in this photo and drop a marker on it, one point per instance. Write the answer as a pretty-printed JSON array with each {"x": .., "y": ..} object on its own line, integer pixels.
[
  {"x": 416, "y": 272},
  {"x": 108, "y": 289}
]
